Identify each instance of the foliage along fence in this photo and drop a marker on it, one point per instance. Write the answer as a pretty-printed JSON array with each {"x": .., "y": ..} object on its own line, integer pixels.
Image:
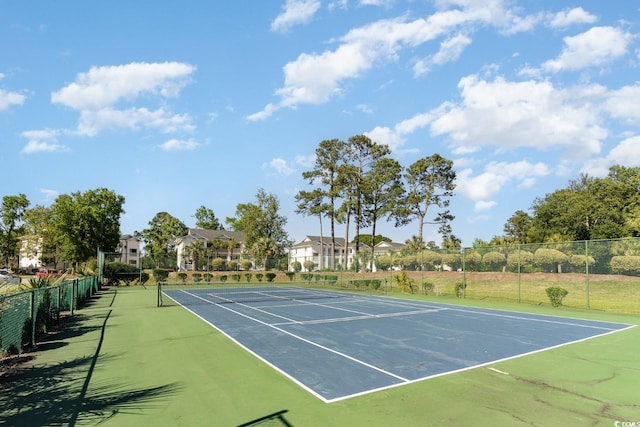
[
  {"x": 25, "y": 315},
  {"x": 598, "y": 274}
]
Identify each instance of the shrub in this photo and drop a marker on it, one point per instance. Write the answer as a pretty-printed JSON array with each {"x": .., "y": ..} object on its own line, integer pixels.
[
  {"x": 550, "y": 259},
  {"x": 197, "y": 277},
  {"x": 115, "y": 272},
  {"x": 270, "y": 276},
  {"x": 182, "y": 277},
  {"x": 296, "y": 266},
  {"x": 235, "y": 277},
  {"x": 232, "y": 265},
  {"x": 307, "y": 276},
  {"x": 246, "y": 264},
  {"x": 494, "y": 261},
  {"x": 626, "y": 264},
  {"x": 247, "y": 276},
  {"x": 208, "y": 277},
  {"x": 427, "y": 287},
  {"x": 459, "y": 289},
  {"x": 259, "y": 276},
  {"x": 218, "y": 264},
  {"x": 223, "y": 278},
  {"x": 291, "y": 275},
  {"x": 308, "y": 265},
  {"x": 405, "y": 283},
  {"x": 556, "y": 294},
  {"x": 160, "y": 274}
]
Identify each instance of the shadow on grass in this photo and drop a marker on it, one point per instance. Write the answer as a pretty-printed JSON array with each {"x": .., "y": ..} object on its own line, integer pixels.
[
  {"x": 59, "y": 394},
  {"x": 52, "y": 395}
]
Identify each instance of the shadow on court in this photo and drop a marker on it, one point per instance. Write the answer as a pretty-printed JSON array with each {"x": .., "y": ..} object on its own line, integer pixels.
[
  {"x": 59, "y": 393},
  {"x": 276, "y": 419}
]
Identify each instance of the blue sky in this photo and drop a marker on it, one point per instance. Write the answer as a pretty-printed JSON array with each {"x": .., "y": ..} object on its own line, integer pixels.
[{"x": 175, "y": 105}]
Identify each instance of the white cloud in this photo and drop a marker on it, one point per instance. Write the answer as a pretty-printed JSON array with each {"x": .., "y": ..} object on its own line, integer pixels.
[
  {"x": 509, "y": 115},
  {"x": 450, "y": 50},
  {"x": 92, "y": 122},
  {"x": 35, "y": 146},
  {"x": 315, "y": 78},
  {"x": 7, "y": 99},
  {"x": 482, "y": 188},
  {"x": 280, "y": 166},
  {"x": 104, "y": 86},
  {"x": 49, "y": 194},
  {"x": 306, "y": 161},
  {"x": 99, "y": 93},
  {"x": 295, "y": 12},
  {"x": 596, "y": 47},
  {"x": 570, "y": 17},
  {"x": 180, "y": 145},
  {"x": 45, "y": 140},
  {"x": 624, "y": 103},
  {"x": 627, "y": 153}
]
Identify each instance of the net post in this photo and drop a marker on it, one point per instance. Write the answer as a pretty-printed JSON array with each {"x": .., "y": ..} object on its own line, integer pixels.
[{"x": 159, "y": 296}]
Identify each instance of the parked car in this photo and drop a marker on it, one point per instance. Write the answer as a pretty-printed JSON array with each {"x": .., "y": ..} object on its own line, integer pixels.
[{"x": 47, "y": 272}]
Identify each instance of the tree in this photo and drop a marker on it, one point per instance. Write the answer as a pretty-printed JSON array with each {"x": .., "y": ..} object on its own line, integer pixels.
[
  {"x": 160, "y": 237},
  {"x": 206, "y": 219},
  {"x": 430, "y": 183},
  {"x": 415, "y": 243},
  {"x": 360, "y": 156},
  {"x": 85, "y": 222},
  {"x": 518, "y": 226},
  {"x": 264, "y": 247},
  {"x": 326, "y": 172},
  {"x": 196, "y": 251},
  {"x": 11, "y": 214},
  {"x": 261, "y": 219},
  {"x": 40, "y": 236},
  {"x": 310, "y": 203},
  {"x": 383, "y": 192}
]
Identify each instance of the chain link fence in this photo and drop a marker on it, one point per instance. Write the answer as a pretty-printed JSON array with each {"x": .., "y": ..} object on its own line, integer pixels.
[{"x": 26, "y": 315}]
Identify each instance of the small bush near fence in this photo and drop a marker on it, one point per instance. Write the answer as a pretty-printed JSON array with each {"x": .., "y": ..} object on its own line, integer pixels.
[{"x": 556, "y": 294}]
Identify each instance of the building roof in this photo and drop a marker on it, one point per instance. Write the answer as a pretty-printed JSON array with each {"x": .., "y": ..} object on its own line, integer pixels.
[
  {"x": 211, "y": 235},
  {"x": 315, "y": 241}
]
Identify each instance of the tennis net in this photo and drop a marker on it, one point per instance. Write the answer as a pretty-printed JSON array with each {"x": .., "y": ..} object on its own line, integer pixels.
[{"x": 207, "y": 293}]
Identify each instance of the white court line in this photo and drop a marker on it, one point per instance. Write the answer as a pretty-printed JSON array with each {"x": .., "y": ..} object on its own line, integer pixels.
[{"x": 364, "y": 317}]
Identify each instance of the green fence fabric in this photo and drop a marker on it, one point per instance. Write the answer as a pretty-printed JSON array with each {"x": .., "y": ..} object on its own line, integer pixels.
[{"x": 27, "y": 314}]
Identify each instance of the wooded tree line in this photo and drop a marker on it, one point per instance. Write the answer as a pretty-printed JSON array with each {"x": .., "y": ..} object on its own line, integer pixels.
[
  {"x": 587, "y": 209},
  {"x": 358, "y": 181},
  {"x": 69, "y": 231}
]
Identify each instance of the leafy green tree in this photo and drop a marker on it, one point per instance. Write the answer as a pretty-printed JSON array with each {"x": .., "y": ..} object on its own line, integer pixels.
[
  {"x": 261, "y": 220},
  {"x": 196, "y": 251},
  {"x": 264, "y": 247},
  {"x": 383, "y": 193},
  {"x": 11, "y": 227},
  {"x": 517, "y": 227},
  {"x": 311, "y": 203},
  {"x": 84, "y": 222},
  {"x": 367, "y": 239},
  {"x": 206, "y": 219},
  {"x": 415, "y": 243},
  {"x": 361, "y": 155},
  {"x": 430, "y": 184},
  {"x": 160, "y": 237},
  {"x": 326, "y": 171}
]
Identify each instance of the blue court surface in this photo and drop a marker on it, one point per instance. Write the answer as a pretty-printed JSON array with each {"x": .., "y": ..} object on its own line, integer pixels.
[{"x": 337, "y": 348}]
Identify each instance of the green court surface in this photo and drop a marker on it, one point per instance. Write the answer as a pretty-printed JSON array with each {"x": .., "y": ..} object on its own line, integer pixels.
[{"x": 122, "y": 361}]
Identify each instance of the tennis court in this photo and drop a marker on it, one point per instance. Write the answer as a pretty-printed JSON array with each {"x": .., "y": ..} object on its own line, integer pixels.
[{"x": 339, "y": 345}]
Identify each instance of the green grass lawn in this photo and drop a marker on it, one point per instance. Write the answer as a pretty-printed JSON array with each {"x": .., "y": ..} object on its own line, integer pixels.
[{"x": 121, "y": 361}]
